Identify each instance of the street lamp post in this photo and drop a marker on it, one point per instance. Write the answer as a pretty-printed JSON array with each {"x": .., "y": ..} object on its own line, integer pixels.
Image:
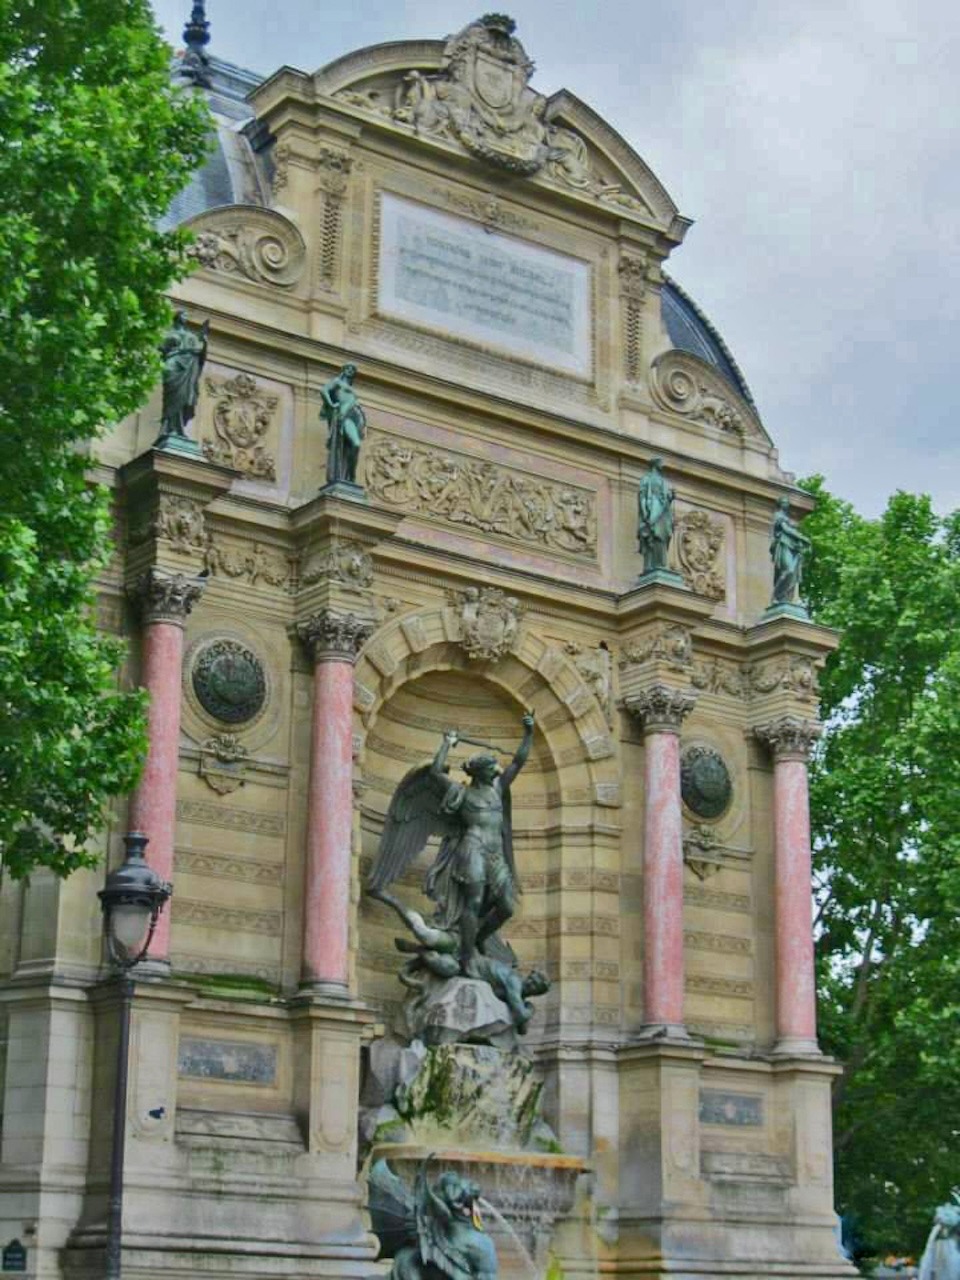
[{"x": 132, "y": 899}]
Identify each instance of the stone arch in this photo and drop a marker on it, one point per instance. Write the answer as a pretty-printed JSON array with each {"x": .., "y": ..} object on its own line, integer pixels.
[{"x": 561, "y": 796}]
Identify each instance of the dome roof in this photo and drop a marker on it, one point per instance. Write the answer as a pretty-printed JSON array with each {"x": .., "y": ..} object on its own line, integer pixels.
[{"x": 239, "y": 171}]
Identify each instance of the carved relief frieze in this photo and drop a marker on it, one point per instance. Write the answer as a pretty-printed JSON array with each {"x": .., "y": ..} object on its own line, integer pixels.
[
  {"x": 213, "y": 814},
  {"x": 668, "y": 643},
  {"x": 793, "y": 675},
  {"x": 176, "y": 519},
  {"x": 684, "y": 384},
  {"x": 243, "y": 415},
  {"x": 255, "y": 244},
  {"x": 596, "y": 668},
  {"x": 482, "y": 496},
  {"x": 213, "y": 915},
  {"x": 489, "y": 622},
  {"x": 248, "y": 562},
  {"x": 700, "y": 545},
  {"x": 342, "y": 561},
  {"x": 718, "y": 676}
]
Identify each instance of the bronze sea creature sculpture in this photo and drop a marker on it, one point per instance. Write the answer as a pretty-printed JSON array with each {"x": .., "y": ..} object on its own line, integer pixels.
[{"x": 432, "y": 1232}]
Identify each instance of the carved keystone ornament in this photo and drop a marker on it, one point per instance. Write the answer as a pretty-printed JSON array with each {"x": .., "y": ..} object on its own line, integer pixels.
[{"x": 489, "y": 622}]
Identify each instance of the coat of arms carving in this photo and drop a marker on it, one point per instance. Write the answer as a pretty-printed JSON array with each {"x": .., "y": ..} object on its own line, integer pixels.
[
  {"x": 242, "y": 416},
  {"x": 482, "y": 97},
  {"x": 489, "y": 622}
]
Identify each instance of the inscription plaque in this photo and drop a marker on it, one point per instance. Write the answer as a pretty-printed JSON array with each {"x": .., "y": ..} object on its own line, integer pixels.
[
  {"x": 742, "y": 1110},
  {"x": 451, "y": 275},
  {"x": 235, "y": 1061}
]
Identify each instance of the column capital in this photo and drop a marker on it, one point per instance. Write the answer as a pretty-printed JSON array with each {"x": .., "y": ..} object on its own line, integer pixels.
[
  {"x": 330, "y": 636},
  {"x": 661, "y": 708},
  {"x": 789, "y": 737},
  {"x": 165, "y": 597}
]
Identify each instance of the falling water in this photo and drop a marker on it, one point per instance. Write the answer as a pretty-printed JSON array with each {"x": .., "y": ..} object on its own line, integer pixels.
[{"x": 502, "y": 1222}]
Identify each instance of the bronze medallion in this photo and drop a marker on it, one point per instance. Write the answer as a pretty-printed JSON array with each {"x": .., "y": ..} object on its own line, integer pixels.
[
  {"x": 705, "y": 782},
  {"x": 229, "y": 681}
]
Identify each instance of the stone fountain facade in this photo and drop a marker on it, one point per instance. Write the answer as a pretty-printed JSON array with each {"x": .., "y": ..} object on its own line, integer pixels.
[{"x": 494, "y": 263}]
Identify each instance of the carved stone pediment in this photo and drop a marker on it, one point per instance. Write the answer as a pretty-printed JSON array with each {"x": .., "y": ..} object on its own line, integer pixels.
[
  {"x": 249, "y": 242},
  {"x": 473, "y": 91},
  {"x": 687, "y": 385}
]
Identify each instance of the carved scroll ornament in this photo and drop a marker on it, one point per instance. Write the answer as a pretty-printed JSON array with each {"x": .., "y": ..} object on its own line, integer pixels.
[
  {"x": 482, "y": 496},
  {"x": 686, "y": 385},
  {"x": 245, "y": 240}
]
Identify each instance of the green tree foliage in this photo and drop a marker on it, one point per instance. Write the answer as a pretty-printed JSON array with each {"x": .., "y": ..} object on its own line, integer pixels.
[
  {"x": 886, "y": 816},
  {"x": 94, "y": 143}
]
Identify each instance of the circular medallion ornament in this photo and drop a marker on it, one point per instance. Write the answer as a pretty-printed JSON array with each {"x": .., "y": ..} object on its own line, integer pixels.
[
  {"x": 705, "y": 783},
  {"x": 229, "y": 681}
]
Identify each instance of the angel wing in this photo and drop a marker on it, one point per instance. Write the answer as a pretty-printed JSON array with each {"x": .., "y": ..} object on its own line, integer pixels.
[
  {"x": 392, "y": 1210},
  {"x": 415, "y": 814}
]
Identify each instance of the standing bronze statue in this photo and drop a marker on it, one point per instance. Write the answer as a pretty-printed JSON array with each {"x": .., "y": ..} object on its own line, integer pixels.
[
  {"x": 184, "y": 355},
  {"x": 473, "y": 880},
  {"x": 788, "y": 546},
  {"x": 654, "y": 517},
  {"x": 346, "y": 426}
]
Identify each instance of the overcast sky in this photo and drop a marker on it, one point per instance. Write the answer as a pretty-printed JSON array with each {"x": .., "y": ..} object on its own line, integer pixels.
[{"x": 814, "y": 143}]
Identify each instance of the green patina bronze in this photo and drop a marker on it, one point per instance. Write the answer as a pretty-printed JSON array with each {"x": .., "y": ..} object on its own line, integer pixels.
[
  {"x": 705, "y": 784},
  {"x": 229, "y": 681},
  {"x": 433, "y": 1232},
  {"x": 473, "y": 879},
  {"x": 654, "y": 517},
  {"x": 346, "y": 426},
  {"x": 788, "y": 546},
  {"x": 184, "y": 355}
]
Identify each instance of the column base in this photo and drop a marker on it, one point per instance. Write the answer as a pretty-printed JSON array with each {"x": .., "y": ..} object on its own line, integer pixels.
[
  {"x": 152, "y": 969},
  {"x": 796, "y": 1047},
  {"x": 326, "y": 990}
]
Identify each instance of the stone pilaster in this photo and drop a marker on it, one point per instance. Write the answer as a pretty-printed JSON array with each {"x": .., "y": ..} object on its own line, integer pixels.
[{"x": 790, "y": 740}]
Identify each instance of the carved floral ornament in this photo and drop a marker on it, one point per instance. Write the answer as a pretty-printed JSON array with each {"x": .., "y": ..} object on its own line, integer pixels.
[
  {"x": 489, "y": 622},
  {"x": 660, "y": 708},
  {"x": 480, "y": 99},
  {"x": 686, "y": 385},
  {"x": 482, "y": 496},
  {"x": 253, "y": 243},
  {"x": 165, "y": 597},
  {"x": 790, "y": 737},
  {"x": 243, "y": 414},
  {"x": 330, "y": 636}
]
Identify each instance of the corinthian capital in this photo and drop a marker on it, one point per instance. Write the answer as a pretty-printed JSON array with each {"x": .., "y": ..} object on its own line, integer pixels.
[
  {"x": 789, "y": 738},
  {"x": 660, "y": 708},
  {"x": 334, "y": 637},
  {"x": 165, "y": 597}
]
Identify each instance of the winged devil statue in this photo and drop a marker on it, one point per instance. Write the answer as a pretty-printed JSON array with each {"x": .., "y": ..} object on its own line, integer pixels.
[
  {"x": 433, "y": 1233},
  {"x": 473, "y": 879}
]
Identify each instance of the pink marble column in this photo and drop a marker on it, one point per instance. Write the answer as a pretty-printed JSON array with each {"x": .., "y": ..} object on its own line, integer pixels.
[
  {"x": 334, "y": 640},
  {"x": 165, "y": 600},
  {"x": 791, "y": 739},
  {"x": 661, "y": 709}
]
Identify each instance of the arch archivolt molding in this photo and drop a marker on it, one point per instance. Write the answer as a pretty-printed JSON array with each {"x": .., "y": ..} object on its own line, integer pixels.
[{"x": 535, "y": 673}]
